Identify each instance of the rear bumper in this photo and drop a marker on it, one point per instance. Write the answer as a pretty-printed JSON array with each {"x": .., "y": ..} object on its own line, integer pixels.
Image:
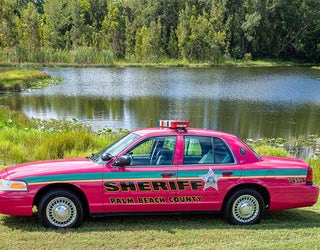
[{"x": 293, "y": 197}]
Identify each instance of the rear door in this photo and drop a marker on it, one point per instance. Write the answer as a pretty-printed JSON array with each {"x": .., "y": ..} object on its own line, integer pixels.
[{"x": 209, "y": 169}]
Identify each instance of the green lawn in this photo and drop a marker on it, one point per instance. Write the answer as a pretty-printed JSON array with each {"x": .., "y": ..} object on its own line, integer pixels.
[{"x": 291, "y": 229}]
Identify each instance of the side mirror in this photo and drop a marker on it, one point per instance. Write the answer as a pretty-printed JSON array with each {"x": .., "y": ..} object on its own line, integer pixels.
[
  {"x": 106, "y": 157},
  {"x": 124, "y": 160}
]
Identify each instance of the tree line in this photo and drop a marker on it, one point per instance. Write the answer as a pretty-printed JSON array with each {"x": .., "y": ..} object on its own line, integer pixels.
[{"x": 103, "y": 31}]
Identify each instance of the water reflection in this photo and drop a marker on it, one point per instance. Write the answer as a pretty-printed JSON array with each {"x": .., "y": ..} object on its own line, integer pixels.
[
  {"x": 248, "y": 102},
  {"x": 245, "y": 119}
]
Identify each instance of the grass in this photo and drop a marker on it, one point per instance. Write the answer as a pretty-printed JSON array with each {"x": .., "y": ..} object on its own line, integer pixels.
[
  {"x": 90, "y": 58},
  {"x": 291, "y": 229},
  {"x": 317, "y": 68},
  {"x": 184, "y": 63},
  {"x": 18, "y": 80},
  {"x": 24, "y": 139}
]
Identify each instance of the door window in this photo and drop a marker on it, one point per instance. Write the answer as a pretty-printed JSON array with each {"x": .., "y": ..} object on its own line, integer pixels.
[
  {"x": 153, "y": 151},
  {"x": 206, "y": 150}
]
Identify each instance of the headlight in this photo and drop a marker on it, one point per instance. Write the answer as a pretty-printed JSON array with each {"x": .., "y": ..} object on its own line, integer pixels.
[{"x": 8, "y": 185}]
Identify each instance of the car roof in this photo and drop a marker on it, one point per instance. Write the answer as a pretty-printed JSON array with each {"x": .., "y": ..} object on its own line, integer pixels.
[{"x": 189, "y": 131}]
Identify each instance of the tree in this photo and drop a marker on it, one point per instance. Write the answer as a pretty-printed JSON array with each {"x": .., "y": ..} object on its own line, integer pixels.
[
  {"x": 200, "y": 39},
  {"x": 57, "y": 24},
  {"x": 201, "y": 36},
  {"x": 218, "y": 43},
  {"x": 302, "y": 22},
  {"x": 148, "y": 40},
  {"x": 30, "y": 29},
  {"x": 149, "y": 30},
  {"x": 113, "y": 29},
  {"x": 184, "y": 31},
  {"x": 9, "y": 24},
  {"x": 79, "y": 21},
  {"x": 142, "y": 43},
  {"x": 172, "y": 48}
]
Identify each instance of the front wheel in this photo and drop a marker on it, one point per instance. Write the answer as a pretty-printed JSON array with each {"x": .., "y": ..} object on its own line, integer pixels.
[
  {"x": 60, "y": 208},
  {"x": 244, "y": 207}
]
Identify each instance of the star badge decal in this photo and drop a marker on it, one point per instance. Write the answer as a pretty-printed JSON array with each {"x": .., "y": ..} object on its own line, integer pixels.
[{"x": 210, "y": 180}]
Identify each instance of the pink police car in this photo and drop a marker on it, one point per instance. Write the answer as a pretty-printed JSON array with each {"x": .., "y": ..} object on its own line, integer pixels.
[{"x": 169, "y": 169}]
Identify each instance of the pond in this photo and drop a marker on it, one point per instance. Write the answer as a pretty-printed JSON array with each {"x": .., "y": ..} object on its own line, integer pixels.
[{"x": 248, "y": 102}]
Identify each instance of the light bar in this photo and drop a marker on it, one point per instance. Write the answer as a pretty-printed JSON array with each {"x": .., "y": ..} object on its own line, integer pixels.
[{"x": 173, "y": 124}]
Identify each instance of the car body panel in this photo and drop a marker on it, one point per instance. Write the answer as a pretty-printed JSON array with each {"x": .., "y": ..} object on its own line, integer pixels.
[{"x": 139, "y": 189}]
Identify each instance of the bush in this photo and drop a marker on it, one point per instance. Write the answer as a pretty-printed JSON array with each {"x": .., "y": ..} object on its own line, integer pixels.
[
  {"x": 271, "y": 151},
  {"x": 23, "y": 139}
]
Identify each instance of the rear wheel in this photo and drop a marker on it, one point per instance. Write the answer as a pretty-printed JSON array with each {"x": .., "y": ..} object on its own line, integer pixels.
[
  {"x": 244, "y": 207},
  {"x": 60, "y": 208}
]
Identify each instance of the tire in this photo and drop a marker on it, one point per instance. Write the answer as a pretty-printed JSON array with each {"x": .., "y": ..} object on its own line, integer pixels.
[
  {"x": 60, "y": 208},
  {"x": 244, "y": 207}
]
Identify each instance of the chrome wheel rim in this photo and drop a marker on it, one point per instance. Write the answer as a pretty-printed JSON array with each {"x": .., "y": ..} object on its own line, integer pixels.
[
  {"x": 61, "y": 212},
  {"x": 245, "y": 208}
]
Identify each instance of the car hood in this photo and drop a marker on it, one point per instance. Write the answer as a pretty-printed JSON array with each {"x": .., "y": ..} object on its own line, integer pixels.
[{"x": 52, "y": 167}]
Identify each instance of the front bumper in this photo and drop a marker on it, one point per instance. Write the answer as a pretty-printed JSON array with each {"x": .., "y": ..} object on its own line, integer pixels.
[{"x": 15, "y": 203}]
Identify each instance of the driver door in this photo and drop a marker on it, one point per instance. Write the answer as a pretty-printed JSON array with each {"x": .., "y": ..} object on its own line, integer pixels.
[{"x": 146, "y": 184}]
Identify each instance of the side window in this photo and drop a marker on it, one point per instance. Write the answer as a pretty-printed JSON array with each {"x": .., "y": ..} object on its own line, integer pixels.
[
  {"x": 206, "y": 150},
  {"x": 198, "y": 149},
  {"x": 153, "y": 151},
  {"x": 222, "y": 154}
]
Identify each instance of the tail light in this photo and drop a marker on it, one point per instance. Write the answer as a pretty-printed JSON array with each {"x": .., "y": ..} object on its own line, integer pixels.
[{"x": 309, "y": 176}]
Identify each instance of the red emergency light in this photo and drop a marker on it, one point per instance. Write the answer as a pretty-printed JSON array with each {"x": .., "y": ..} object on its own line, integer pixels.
[{"x": 175, "y": 124}]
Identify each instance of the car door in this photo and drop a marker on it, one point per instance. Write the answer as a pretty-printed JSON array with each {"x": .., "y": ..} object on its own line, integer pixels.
[
  {"x": 209, "y": 169},
  {"x": 146, "y": 184}
]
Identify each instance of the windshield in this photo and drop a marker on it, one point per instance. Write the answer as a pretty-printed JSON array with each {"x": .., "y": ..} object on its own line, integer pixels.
[{"x": 115, "y": 148}]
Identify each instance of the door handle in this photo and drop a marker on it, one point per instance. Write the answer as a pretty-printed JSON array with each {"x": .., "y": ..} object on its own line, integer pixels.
[
  {"x": 168, "y": 174},
  {"x": 228, "y": 173}
]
